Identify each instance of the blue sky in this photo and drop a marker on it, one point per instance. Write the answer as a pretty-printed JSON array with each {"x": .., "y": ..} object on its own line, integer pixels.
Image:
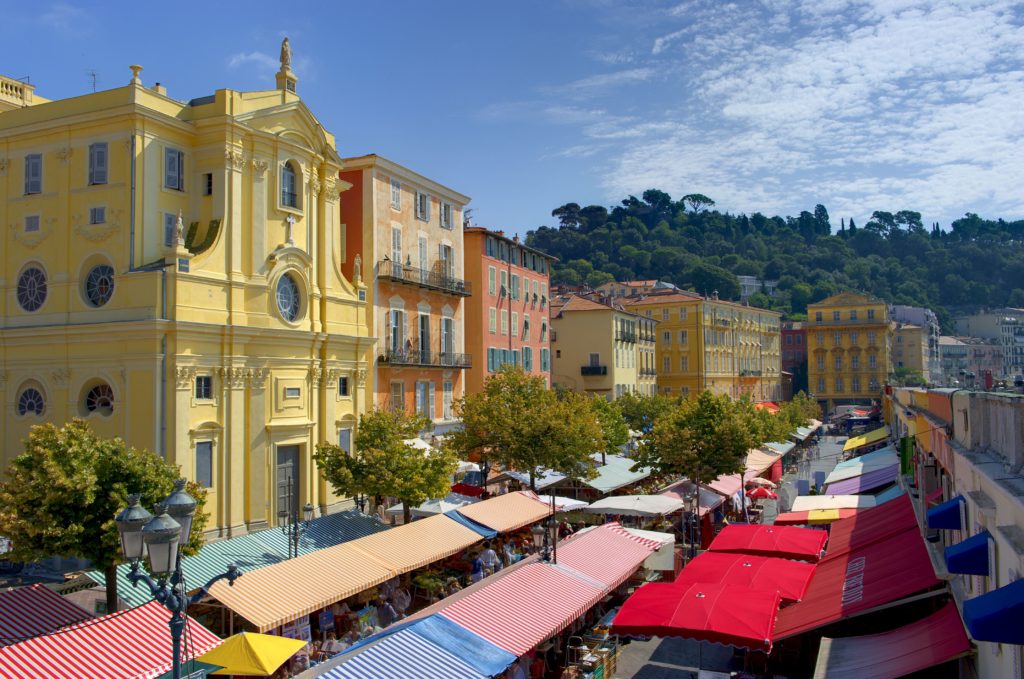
[{"x": 768, "y": 106}]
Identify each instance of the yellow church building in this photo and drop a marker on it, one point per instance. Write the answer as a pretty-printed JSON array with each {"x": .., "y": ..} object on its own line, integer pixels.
[{"x": 172, "y": 272}]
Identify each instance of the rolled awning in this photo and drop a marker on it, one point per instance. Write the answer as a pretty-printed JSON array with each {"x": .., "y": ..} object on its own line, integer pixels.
[
  {"x": 948, "y": 515},
  {"x": 930, "y": 641},
  {"x": 866, "y": 439},
  {"x": 996, "y": 616},
  {"x": 969, "y": 557}
]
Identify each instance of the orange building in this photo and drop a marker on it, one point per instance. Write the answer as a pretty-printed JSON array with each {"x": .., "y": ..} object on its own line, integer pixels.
[
  {"x": 507, "y": 316},
  {"x": 407, "y": 231}
]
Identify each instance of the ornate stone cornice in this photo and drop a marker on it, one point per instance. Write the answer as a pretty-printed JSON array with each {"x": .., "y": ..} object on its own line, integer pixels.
[
  {"x": 331, "y": 191},
  {"x": 316, "y": 375},
  {"x": 257, "y": 377},
  {"x": 184, "y": 376},
  {"x": 234, "y": 158},
  {"x": 314, "y": 185},
  {"x": 31, "y": 239},
  {"x": 234, "y": 378},
  {"x": 361, "y": 377}
]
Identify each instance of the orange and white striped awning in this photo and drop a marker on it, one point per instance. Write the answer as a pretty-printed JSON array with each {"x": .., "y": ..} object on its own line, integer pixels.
[
  {"x": 417, "y": 544},
  {"x": 279, "y": 593},
  {"x": 507, "y": 512}
]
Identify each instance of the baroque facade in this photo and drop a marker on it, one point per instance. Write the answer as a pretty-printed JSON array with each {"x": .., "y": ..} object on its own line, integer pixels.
[{"x": 172, "y": 273}]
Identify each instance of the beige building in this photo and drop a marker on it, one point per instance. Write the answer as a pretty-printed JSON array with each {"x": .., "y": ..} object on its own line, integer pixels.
[
  {"x": 712, "y": 344},
  {"x": 910, "y": 350},
  {"x": 601, "y": 349},
  {"x": 171, "y": 271},
  {"x": 1005, "y": 326}
]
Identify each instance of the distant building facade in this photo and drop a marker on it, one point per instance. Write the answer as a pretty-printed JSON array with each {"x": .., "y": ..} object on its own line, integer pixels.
[
  {"x": 910, "y": 350},
  {"x": 615, "y": 289},
  {"x": 929, "y": 322},
  {"x": 508, "y": 315},
  {"x": 751, "y": 285},
  {"x": 1005, "y": 326},
  {"x": 794, "y": 354}
]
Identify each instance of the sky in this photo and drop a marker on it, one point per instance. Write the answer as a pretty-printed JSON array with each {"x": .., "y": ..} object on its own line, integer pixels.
[{"x": 771, "y": 106}]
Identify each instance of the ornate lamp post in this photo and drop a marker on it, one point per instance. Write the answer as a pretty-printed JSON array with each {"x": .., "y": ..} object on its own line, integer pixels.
[
  {"x": 545, "y": 538},
  {"x": 290, "y": 525},
  {"x": 160, "y": 536}
]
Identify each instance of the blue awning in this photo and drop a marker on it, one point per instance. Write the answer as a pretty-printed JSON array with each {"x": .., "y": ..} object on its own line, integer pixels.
[
  {"x": 970, "y": 556},
  {"x": 947, "y": 515},
  {"x": 996, "y": 616},
  {"x": 483, "y": 530}
]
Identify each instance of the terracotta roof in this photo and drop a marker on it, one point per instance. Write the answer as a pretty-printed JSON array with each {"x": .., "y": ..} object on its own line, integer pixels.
[
  {"x": 672, "y": 298},
  {"x": 577, "y": 303}
]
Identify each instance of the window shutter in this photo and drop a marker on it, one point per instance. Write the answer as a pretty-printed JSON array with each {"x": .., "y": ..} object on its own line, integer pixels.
[
  {"x": 430, "y": 399},
  {"x": 170, "y": 223},
  {"x": 98, "y": 163}
]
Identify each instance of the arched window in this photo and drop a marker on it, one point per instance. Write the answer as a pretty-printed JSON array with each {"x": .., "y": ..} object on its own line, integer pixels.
[
  {"x": 31, "y": 288},
  {"x": 289, "y": 298},
  {"x": 289, "y": 186},
  {"x": 99, "y": 285},
  {"x": 100, "y": 399},
  {"x": 31, "y": 401}
]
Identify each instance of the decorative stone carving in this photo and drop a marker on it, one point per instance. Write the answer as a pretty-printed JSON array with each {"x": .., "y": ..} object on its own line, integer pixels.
[
  {"x": 333, "y": 374},
  {"x": 234, "y": 378},
  {"x": 331, "y": 192},
  {"x": 184, "y": 376},
  {"x": 234, "y": 158},
  {"x": 314, "y": 185},
  {"x": 259, "y": 168},
  {"x": 316, "y": 375},
  {"x": 60, "y": 377},
  {"x": 99, "y": 232},
  {"x": 3, "y": 165},
  {"x": 361, "y": 377},
  {"x": 64, "y": 154},
  {"x": 357, "y": 269},
  {"x": 33, "y": 238},
  {"x": 257, "y": 377}
]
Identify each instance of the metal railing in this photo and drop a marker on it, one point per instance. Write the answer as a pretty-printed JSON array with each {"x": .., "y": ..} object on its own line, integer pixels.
[
  {"x": 847, "y": 321},
  {"x": 593, "y": 370},
  {"x": 434, "y": 280},
  {"x": 424, "y": 358},
  {"x": 623, "y": 336}
]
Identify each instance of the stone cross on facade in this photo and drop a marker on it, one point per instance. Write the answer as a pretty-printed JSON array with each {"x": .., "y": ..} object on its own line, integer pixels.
[{"x": 289, "y": 223}]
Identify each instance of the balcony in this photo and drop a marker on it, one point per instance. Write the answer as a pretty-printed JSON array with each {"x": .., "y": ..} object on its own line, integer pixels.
[
  {"x": 431, "y": 280},
  {"x": 847, "y": 321},
  {"x": 425, "y": 359},
  {"x": 593, "y": 370},
  {"x": 623, "y": 336},
  {"x": 750, "y": 373},
  {"x": 648, "y": 372}
]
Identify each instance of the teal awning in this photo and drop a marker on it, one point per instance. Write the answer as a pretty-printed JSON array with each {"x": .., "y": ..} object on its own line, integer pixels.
[{"x": 616, "y": 474}]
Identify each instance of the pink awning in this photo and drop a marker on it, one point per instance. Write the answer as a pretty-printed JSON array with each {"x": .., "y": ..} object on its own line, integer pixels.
[
  {"x": 27, "y": 612},
  {"x": 724, "y": 614},
  {"x": 525, "y": 607},
  {"x": 789, "y": 578},
  {"x": 727, "y": 485},
  {"x": 132, "y": 644},
  {"x": 930, "y": 641},
  {"x": 785, "y": 542},
  {"x": 856, "y": 581},
  {"x": 608, "y": 554}
]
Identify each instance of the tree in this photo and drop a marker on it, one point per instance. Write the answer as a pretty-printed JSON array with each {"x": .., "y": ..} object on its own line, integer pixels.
[
  {"x": 641, "y": 411},
  {"x": 518, "y": 423},
  {"x": 613, "y": 424},
  {"x": 568, "y": 215},
  {"x": 698, "y": 202},
  {"x": 61, "y": 496},
  {"x": 385, "y": 465}
]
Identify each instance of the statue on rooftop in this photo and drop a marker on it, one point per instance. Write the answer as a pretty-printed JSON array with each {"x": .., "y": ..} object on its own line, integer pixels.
[{"x": 286, "y": 54}]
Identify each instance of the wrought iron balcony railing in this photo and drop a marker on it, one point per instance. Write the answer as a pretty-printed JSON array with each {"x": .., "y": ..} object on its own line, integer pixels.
[
  {"x": 593, "y": 370},
  {"x": 427, "y": 359},
  {"x": 433, "y": 280}
]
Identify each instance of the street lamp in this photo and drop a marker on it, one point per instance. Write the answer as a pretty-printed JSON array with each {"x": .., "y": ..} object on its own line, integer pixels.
[
  {"x": 290, "y": 525},
  {"x": 160, "y": 537},
  {"x": 545, "y": 538}
]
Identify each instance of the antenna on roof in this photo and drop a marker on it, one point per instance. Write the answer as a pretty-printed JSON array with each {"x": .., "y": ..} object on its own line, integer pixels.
[{"x": 92, "y": 77}]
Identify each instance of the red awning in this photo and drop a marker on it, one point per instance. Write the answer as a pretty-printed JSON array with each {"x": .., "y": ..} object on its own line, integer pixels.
[
  {"x": 856, "y": 581},
  {"x": 813, "y": 517},
  {"x": 767, "y": 405},
  {"x": 724, "y": 614},
  {"x": 871, "y": 525},
  {"x": 525, "y": 607},
  {"x": 784, "y": 542},
  {"x": 608, "y": 554},
  {"x": 132, "y": 644},
  {"x": 928, "y": 642},
  {"x": 27, "y": 612},
  {"x": 789, "y": 578},
  {"x": 775, "y": 471},
  {"x": 466, "y": 489}
]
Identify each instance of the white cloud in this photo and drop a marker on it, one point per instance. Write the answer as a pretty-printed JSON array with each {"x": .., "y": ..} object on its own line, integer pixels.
[
  {"x": 64, "y": 17},
  {"x": 602, "y": 82},
  {"x": 262, "y": 60}
]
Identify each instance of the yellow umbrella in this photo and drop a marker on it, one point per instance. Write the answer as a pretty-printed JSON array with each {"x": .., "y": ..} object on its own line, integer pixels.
[{"x": 252, "y": 654}]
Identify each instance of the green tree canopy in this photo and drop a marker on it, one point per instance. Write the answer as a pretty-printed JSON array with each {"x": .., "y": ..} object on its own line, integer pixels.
[
  {"x": 383, "y": 464},
  {"x": 62, "y": 493},
  {"x": 641, "y": 411},
  {"x": 613, "y": 424},
  {"x": 518, "y": 423}
]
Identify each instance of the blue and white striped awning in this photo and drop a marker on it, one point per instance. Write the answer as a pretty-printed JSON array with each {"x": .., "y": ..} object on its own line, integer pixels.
[{"x": 404, "y": 655}]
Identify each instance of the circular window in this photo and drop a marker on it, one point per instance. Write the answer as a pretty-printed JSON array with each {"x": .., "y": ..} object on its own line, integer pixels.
[
  {"x": 31, "y": 288},
  {"x": 100, "y": 399},
  {"x": 289, "y": 300},
  {"x": 31, "y": 401},
  {"x": 99, "y": 285}
]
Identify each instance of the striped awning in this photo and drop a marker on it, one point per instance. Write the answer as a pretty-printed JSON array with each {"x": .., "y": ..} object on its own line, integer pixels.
[
  {"x": 270, "y": 596},
  {"x": 404, "y": 655},
  {"x": 133, "y": 644},
  {"x": 27, "y": 612},
  {"x": 525, "y": 607},
  {"x": 608, "y": 554},
  {"x": 419, "y": 543},
  {"x": 507, "y": 512}
]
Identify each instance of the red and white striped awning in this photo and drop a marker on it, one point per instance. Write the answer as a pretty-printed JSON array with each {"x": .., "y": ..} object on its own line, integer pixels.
[
  {"x": 27, "y": 612},
  {"x": 608, "y": 554},
  {"x": 525, "y": 607},
  {"x": 132, "y": 644}
]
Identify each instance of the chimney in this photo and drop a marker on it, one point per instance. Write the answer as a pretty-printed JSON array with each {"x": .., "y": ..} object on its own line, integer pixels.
[
  {"x": 160, "y": 89},
  {"x": 714, "y": 294},
  {"x": 515, "y": 239}
]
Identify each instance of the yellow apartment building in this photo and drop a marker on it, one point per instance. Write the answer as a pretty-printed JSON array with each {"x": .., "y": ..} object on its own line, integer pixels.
[
  {"x": 171, "y": 272},
  {"x": 409, "y": 229},
  {"x": 910, "y": 349},
  {"x": 705, "y": 343},
  {"x": 848, "y": 349},
  {"x": 601, "y": 349}
]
